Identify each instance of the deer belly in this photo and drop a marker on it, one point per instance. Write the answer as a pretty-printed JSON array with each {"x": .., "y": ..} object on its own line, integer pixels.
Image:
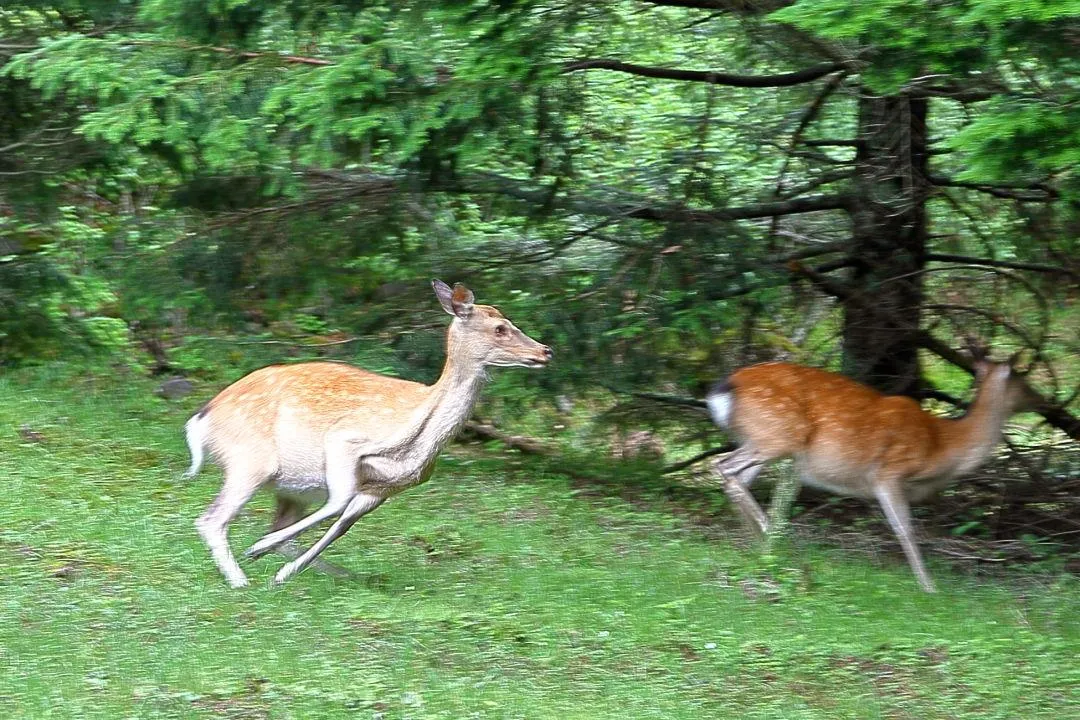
[
  {"x": 835, "y": 476},
  {"x": 395, "y": 473},
  {"x": 305, "y": 488}
]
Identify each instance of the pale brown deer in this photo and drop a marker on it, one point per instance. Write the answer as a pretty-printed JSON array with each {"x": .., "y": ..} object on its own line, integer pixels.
[
  {"x": 849, "y": 439},
  {"x": 333, "y": 433}
]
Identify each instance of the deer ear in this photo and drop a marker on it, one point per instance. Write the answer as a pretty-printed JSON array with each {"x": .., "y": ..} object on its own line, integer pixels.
[
  {"x": 462, "y": 301},
  {"x": 444, "y": 293},
  {"x": 457, "y": 302}
]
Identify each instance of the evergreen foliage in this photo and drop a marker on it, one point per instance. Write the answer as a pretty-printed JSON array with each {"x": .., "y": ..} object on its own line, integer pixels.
[{"x": 668, "y": 189}]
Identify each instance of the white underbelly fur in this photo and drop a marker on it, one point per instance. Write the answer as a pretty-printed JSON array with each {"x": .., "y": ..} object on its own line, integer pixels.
[
  {"x": 834, "y": 477},
  {"x": 306, "y": 488}
]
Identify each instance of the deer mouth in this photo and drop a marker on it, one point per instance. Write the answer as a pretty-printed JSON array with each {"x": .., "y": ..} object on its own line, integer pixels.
[
  {"x": 521, "y": 362},
  {"x": 529, "y": 362},
  {"x": 543, "y": 359},
  {"x": 538, "y": 359}
]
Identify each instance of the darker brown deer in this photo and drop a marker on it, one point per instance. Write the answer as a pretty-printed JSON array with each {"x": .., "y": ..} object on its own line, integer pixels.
[{"x": 849, "y": 439}]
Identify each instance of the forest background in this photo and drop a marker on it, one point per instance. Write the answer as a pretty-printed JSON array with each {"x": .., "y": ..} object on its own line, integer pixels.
[{"x": 662, "y": 191}]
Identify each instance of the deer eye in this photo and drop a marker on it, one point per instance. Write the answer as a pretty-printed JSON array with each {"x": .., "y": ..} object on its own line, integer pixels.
[{"x": 500, "y": 330}]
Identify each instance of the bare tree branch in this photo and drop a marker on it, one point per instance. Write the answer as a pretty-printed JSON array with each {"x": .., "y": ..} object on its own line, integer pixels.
[
  {"x": 707, "y": 76},
  {"x": 1034, "y": 267},
  {"x": 957, "y": 93},
  {"x": 823, "y": 179},
  {"x": 680, "y": 400},
  {"x": 685, "y": 214},
  {"x": 521, "y": 443},
  {"x": 492, "y": 184},
  {"x": 813, "y": 155},
  {"x": 806, "y": 118},
  {"x": 1033, "y": 192},
  {"x": 832, "y": 143},
  {"x": 31, "y": 138},
  {"x": 809, "y": 251},
  {"x": 242, "y": 54},
  {"x": 828, "y": 285},
  {"x": 675, "y": 467},
  {"x": 510, "y": 187},
  {"x": 993, "y": 317},
  {"x": 746, "y": 7}
]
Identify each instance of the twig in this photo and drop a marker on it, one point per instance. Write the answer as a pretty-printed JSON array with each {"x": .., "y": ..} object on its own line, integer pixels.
[
  {"x": 964, "y": 556},
  {"x": 698, "y": 458}
]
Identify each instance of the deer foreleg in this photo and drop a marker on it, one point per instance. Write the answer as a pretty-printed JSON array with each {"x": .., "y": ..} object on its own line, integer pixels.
[
  {"x": 898, "y": 513},
  {"x": 291, "y": 550},
  {"x": 340, "y": 489},
  {"x": 332, "y": 508},
  {"x": 357, "y": 507}
]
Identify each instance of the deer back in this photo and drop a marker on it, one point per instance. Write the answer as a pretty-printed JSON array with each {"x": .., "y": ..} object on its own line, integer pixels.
[{"x": 282, "y": 413}]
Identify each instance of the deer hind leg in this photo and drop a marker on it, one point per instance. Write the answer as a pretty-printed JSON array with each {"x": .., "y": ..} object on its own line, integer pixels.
[
  {"x": 361, "y": 504},
  {"x": 898, "y": 512},
  {"x": 738, "y": 470},
  {"x": 286, "y": 513},
  {"x": 213, "y": 524},
  {"x": 340, "y": 489}
]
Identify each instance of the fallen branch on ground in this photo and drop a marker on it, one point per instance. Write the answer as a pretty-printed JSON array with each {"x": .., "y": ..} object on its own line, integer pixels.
[{"x": 527, "y": 445}]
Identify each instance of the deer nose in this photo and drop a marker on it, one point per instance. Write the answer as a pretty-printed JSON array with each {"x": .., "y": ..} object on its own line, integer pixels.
[{"x": 547, "y": 352}]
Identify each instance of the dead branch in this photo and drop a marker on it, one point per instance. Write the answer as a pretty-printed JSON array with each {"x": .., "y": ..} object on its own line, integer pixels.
[
  {"x": 527, "y": 445},
  {"x": 747, "y": 7},
  {"x": 629, "y": 208},
  {"x": 988, "y": 315},
  {"x": 1028, "y": 193},
  {"x": 1034, "y": 267},
  {"x": 707, "y": 76},
  {"x": 813, "y": 184},
  {"x": 806, "y": 118},
  {"x": 235, "y": 52},
  {"x": 643, "y": 210},
  {"x": 832, "y": 143},
  {"x": 675, "y": 467}
]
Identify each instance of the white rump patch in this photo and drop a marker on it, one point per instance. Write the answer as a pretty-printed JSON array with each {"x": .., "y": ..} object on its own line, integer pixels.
[
  {"x": 720, "y": 407},
  {"x": 196, "y": 430}
]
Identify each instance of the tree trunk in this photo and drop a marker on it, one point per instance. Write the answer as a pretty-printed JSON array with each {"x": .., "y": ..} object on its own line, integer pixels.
[{"x": 889, "y": 244}]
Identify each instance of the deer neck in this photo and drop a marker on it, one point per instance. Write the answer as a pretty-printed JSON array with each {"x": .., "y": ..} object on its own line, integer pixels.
[
  {"x": 972, "y": 438},
  {"x": 449, "y": 403}
]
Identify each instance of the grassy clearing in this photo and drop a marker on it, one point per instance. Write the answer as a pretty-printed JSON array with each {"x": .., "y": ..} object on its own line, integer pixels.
[{"x": 496, "y": 590}]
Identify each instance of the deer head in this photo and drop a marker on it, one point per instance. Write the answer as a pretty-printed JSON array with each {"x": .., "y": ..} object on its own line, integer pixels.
[
  {"x": 1003, "y": 379},
  {"x": 482, "y": 335}
]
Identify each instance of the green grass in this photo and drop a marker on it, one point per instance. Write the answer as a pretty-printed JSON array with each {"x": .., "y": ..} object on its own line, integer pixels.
[{"x": 496, "y": 590}]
